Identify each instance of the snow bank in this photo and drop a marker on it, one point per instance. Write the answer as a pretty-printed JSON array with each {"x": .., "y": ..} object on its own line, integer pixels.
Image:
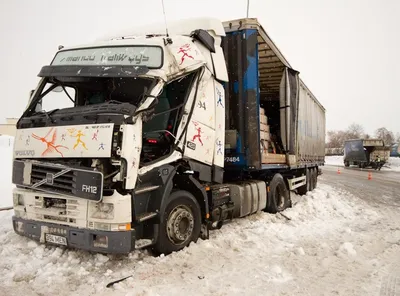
[
  {"x": 394, "y": 164},
  {"x": 6, "y": 147},
  {"x": 336, "y": 160},
  {"x": 258, "y": 255}
]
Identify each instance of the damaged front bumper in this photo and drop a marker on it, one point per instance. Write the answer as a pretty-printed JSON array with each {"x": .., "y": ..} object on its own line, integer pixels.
[{"x": 113, "y": 242}]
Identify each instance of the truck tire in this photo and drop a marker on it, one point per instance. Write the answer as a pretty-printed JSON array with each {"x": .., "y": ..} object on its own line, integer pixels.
[
  {"x": 314, "y": 177},
  {"x": 180, "y": 223},
  {"x": 304, "y": 189},
  {"x": 346, "y": 164},
  {"x": 309, "y": 180},
  {"x": 279, "y": 195}
]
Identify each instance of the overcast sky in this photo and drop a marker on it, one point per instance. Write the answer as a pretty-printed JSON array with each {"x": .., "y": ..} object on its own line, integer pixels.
[{"x": 347, "y": 51}]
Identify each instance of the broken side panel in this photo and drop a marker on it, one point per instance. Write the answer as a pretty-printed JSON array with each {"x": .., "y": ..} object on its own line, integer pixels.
[
  {"x": 219, "y": 150},
  {"x": 289, "y": 102},
  {"x": 200, "y": 133},
  {"x": 242, "y": 137}
]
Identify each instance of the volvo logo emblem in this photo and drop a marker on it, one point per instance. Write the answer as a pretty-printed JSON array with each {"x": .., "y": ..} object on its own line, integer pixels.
[{"x": 49, "y": 178}]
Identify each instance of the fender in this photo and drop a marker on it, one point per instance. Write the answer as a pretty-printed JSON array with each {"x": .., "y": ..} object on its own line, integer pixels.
[{"x": 190, "y": 184}]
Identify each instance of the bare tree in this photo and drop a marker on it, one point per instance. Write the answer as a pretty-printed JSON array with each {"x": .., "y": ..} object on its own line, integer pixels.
[
  {"x": 336, "y": 139},
  {"x": 354, "y": 131},
  {"x": 385, "y": 135}
]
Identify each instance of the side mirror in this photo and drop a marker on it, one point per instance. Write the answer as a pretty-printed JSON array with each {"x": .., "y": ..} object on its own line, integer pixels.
[
  {"x": 58, "y": 89},
  {"x": 38, "y": 107}
]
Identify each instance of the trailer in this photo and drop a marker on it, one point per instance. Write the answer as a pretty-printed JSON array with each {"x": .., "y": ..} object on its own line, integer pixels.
[{"x": 166, "y": 137}]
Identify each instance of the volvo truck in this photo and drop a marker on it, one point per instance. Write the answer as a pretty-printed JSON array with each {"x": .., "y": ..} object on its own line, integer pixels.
[{"x": 148, "y": 139}]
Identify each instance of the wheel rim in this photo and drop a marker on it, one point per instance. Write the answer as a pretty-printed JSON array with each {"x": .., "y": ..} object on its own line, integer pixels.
[{"x": 180, "y": 225}]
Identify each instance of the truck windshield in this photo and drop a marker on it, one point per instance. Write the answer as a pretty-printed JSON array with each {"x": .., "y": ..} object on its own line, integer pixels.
[{"x": 66, "y": 92}]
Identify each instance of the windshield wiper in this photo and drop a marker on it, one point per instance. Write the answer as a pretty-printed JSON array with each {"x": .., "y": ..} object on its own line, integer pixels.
[
  {"x": 63, "y": 87},
  {"x": 48, "y": 114}
]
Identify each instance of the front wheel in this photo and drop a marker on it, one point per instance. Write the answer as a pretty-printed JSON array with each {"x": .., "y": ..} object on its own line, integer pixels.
[{"x": 180, "y": 223}]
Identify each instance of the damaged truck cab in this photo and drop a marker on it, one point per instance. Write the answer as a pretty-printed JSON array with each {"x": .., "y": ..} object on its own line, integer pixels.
[{"x": 132, "y": 142}]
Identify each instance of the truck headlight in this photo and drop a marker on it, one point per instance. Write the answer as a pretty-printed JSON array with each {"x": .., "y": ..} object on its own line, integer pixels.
[{"x": 102, "y": 211}]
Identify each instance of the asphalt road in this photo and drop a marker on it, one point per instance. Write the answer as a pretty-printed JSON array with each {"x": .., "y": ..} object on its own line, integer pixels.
[{"x": 383, "y": 188}]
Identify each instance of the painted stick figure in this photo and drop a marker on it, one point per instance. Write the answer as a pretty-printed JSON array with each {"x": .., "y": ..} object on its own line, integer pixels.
[
  {"x": 198, "y": 136},
  {"x": 95, "y": 135},
  {"x": 219, "y": 102},
  {"x": 183, "y": 50},
  {"x": 28, "y": 141},
  {"x": 101, "y": 146},
  {"x": 50, "y": 145},
  {"x": 63, "y": 137},
  {"x": 79, "y": 140},
  {"x": 219, "y": 144}
]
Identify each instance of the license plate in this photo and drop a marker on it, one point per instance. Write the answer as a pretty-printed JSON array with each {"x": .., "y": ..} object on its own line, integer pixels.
[{"x": 55, "y": 239}]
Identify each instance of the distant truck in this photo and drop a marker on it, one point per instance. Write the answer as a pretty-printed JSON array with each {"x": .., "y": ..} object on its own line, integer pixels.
[
  {"x": 395, "y": 151},
  {"x": 165, "y": 138},
  {"x": 366, "y": 153}
]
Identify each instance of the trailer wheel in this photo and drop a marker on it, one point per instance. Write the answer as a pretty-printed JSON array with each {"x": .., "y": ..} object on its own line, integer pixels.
[
  {"x": 304, "y": 189},
  {"x": 314, "y": 177},
  {"x": 279, "y": 195},
  {"x": 180, "y": 223},
  {"x": 309, "y": 180}
]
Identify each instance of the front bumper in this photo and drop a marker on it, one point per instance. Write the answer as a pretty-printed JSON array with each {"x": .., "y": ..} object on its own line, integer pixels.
[{"x": 118, "y": 242}]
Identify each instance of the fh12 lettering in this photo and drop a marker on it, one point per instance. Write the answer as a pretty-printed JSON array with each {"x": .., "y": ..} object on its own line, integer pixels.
[{"x": 89, "y": 189}]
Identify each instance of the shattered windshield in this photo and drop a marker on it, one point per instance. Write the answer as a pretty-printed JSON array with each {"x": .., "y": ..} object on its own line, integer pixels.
[{"x": 70, "y": 92}]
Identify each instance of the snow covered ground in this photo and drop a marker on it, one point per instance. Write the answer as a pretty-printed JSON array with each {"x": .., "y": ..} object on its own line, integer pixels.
[
  {"x": 337, "y": 160},
  {"x": 333, "y": 244},
  {"x": 394, "y": 163}
]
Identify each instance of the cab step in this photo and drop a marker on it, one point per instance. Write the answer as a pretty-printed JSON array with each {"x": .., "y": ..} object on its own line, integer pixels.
[
  {"x": 143, "y": 243},
  {"x": 145, "y": 216}
]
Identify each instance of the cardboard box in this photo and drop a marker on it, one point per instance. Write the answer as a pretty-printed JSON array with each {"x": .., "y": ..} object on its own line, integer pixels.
[{"x": 269, "y": 158}]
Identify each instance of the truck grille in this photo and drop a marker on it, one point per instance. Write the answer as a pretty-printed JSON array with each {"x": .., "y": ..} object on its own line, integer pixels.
[
  {"x": 53, "y": 178},
  {"x": 62, "y": 184}
]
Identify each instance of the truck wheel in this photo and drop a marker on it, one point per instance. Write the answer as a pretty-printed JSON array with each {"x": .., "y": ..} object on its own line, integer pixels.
[
  {"x": 303, "y": 189},
  {"x": 314, "y": 177},
  {"x": 309, "y": 180},
  {"x": 279, "y": 195},
  {"x": 346, "y": 164},
  {"x": 180, "y": 223}
]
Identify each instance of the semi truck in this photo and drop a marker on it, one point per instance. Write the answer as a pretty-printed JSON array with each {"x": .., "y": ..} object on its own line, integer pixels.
[
  {"x": 366, "y": 153},
  {"x": 151, "y": 138}
]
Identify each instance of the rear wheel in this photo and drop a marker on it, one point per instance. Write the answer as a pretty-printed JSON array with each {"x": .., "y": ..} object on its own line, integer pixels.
[
  {"x": 303, "y": 189},
  {"x": 314, "y": 177},
  {"x": 279, "y": 195},
  {"x": 180, "y": 224}
]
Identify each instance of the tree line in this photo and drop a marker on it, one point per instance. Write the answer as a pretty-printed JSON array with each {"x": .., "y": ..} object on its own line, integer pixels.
[{"x": 356, "y": 131}]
